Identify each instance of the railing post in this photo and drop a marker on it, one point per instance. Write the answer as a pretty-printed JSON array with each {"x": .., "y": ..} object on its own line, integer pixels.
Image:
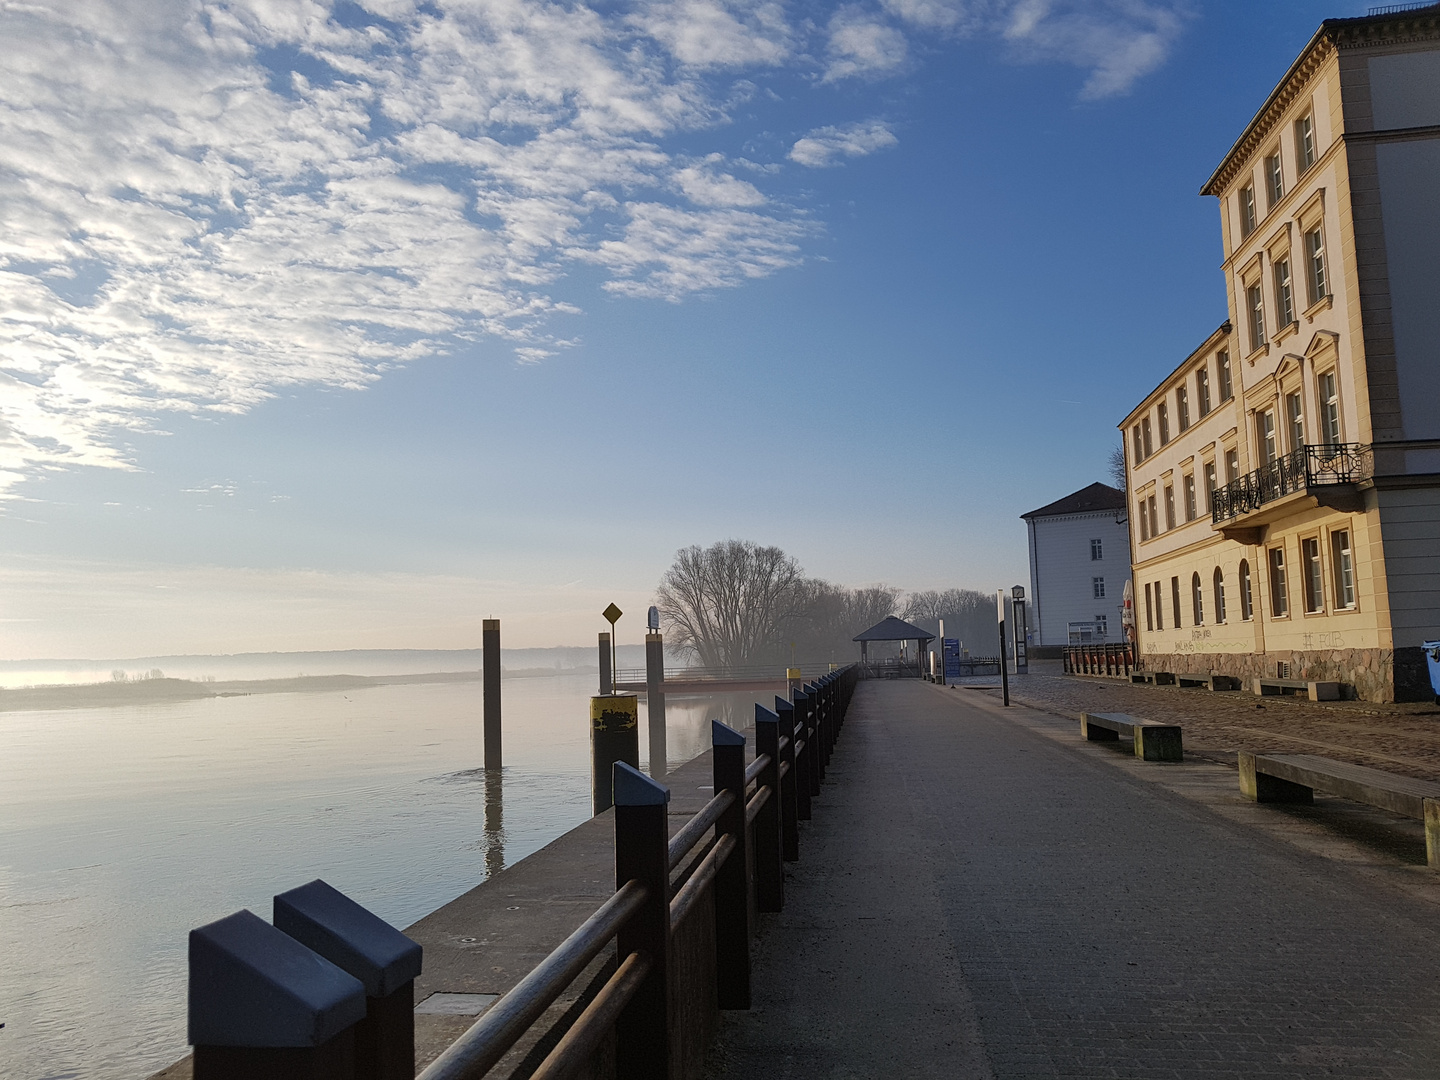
[
  {"x": 769, "y": 870},
  {"x": 795, "y": 786},
  {"x": 803, "y": 721},
  {"x": 262, "y": 1004},
  {"x": 732, "y": 887},
  {"x": 386, "y": 962},
  {"x": 642, "y": 853},
  {"x": 817, "y": 721}
]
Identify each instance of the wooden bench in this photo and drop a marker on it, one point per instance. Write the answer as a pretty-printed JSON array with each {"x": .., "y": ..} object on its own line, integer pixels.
[
  {"x": 1154, "y": 678},
  {"x": 1316, "y": 691},
  {"x": 1153, "y": 741},
  {"x": 1294, "y": 778},
  {"x": 1211, "y": 681}
]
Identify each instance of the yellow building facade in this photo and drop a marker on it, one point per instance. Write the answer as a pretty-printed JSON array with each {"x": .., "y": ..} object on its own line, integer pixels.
[{"x": 1284, "y": 480}]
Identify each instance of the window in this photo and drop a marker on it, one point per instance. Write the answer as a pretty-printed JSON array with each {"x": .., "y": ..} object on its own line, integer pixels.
[
  {"x": 1144, "y": 523},
  {"x": 1149, "y": 611},
  {"x": 1154, "y": 518},
  {"x": 1255, "y": 312},
  {"x": 1329, "y": 409},
  {"x": 1284, "y": 294},
  {"x": 1102, "y": 626},
  {"x": 1202, "y": 390},
  {"x": 1169, "y": 507},
  {"x": 1218, "y": 588},
  {"x": 1096, "y": 550},
  {"x": 1139, "y": 446},
  {"x": 1175, "y": 601},
  {"x": 1344, "y": 568},
  {"x": 1197, "y": 600},
  {"x": 1247, "y": 598},
  {"x": 1191, "y": 511},
  {"x": 1304, "y": 143},
  {"x": 1097, "y": 587},
  {"x": 1315, "y": 265},
  {"x": 1274, "y": 181},
  {"x": 1145, "y": 436},
  {"x": 1182, "y": 408},
  {"x": 1314, "y": 582},
  {"x": 1295, "y": 420},
  {"x": 1162, "y": 413},
  {"x": 1268, "y": 438},
  {"x": 1232, "y": 466},
  {"x": 1159, "y": 609},
  {"x": 1247, "y": 210},
  {"x": 1210, "y": 485},
  {"x": 1279, "y": 596},
  {"x": 1222, "y": 364}
]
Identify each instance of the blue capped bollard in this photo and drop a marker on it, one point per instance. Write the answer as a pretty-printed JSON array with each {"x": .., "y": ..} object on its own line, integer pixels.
[
  {"x": 385, "y": 961},
  {"x": 262, "y": 1004}
]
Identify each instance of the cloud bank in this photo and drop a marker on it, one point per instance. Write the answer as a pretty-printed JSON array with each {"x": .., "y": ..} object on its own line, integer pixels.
[{"x": 205, "y": 202}]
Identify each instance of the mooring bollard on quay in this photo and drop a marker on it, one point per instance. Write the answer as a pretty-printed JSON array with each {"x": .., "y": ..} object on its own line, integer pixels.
[{"x": 614, "y": 737}]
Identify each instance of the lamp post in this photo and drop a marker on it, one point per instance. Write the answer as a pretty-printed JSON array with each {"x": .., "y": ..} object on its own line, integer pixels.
[{"x": 1000, "y": 616}]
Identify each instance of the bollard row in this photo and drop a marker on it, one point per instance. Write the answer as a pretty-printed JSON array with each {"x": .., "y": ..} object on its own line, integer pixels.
[{"x": 326, "y": 991}]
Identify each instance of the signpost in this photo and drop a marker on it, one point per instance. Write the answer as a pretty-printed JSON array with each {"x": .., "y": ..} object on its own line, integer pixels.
[{"x": 1004, "y": 674}]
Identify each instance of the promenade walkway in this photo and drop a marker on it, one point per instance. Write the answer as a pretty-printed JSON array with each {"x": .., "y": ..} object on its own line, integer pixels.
[{"x": 983, "y": 895}]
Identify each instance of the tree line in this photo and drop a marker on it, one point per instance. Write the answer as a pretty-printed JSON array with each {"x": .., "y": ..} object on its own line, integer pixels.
[{"x": 741, "y": 604}]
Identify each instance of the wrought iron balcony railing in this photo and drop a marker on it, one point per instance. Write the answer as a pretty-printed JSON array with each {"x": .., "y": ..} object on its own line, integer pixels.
[{"x": 1308, "y": 467}]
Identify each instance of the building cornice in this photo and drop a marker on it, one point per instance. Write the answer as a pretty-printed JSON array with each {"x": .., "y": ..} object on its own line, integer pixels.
[{"x": 1368, "y": 31}]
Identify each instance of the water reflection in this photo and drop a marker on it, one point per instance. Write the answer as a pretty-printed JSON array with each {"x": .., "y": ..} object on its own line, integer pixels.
[{"x": 494, "y": 822}]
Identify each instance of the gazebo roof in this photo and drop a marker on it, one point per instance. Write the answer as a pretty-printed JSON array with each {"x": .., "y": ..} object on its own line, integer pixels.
[{"x": 892, "y": 628}]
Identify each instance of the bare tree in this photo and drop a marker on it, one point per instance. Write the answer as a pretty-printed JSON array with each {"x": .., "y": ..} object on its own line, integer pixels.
[
  {"x": 1116, "y": 464},
  {"x": 725, "y": 604},
  {"x": 969, "y": 615}
]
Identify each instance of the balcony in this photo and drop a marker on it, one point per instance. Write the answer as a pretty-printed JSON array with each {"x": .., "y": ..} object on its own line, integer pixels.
[{"x": 1311, "y": 476}]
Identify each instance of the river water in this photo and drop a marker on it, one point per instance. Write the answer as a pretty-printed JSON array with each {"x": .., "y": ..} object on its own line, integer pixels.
[{"x": 123, "y": 828}]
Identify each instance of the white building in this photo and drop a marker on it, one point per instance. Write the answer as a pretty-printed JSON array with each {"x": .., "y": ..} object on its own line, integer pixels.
[{"x": 1079, "y": 563}]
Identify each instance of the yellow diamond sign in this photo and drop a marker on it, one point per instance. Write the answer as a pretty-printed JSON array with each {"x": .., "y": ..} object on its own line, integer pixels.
[{"x": 612, "y": 613}]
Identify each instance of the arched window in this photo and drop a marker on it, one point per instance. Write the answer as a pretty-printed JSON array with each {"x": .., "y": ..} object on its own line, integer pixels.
[
  {"x": 1219, "y": 595},
  {"x": 1247, "y": 601},
  {"x": 1197, "y": 599}
]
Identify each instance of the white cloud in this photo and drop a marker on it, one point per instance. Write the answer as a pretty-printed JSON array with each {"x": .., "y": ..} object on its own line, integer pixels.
[
  {"x": 825, "y": 146},
  {"x": 704, "y": 185},
  {"x": 862, "y": 45},
  {"x": 706, "y": 33}
]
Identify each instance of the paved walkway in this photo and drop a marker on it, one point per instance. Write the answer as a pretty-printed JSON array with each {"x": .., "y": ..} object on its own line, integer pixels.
[{"x": 983, "y": 895}]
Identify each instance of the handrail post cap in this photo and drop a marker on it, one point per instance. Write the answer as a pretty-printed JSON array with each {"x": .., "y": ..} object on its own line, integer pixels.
[
  {"x": 253, "y": 985},
  {"x": 634, "y": 788},
  {"x": 764, "y": 715},
  {"x": 351, "y": 937},
  {"x": 724, "y": 735},
  {"x": 782, "y": 705},
  {"x": 801, "y": 695}
]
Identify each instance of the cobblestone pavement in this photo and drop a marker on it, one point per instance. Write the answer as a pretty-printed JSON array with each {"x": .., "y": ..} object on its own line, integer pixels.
[
  {"x": 979, "y": 899},
  {"x": 1396, "y": 738}
]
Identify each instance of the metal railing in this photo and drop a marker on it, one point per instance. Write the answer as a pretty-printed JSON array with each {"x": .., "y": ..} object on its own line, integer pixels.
[
  {"x": 663, "y": 881},
  {"x": 1115, "y": 659},
  {"x": 722, "y": 674},
  {"x": 1305, "y": 468}
]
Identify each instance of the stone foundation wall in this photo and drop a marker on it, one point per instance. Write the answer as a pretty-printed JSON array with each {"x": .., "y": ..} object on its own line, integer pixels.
[{"x": 1368, "y": 674}]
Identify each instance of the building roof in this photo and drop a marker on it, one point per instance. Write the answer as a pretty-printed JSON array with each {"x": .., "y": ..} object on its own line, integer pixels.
[
  {"x": 1088, "y": 500},
  {"x": 891, "y": 628}
]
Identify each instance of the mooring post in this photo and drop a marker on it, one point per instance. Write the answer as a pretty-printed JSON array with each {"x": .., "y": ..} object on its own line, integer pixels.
[
  {"x": 732, "y": 886},
  {"x": 642, "y": 853},
  {"x": 490, "y": 642},
  {"x": 795, "y": 785},
  {"x": 607, "y": 673},
  {"x": 262, "y": 1004},
  {"x": 655, "y": 701},
  {"x": 360, "y": 943},
  {"x": 614, "y": 737},
  {"x": 769, "y": 846}
]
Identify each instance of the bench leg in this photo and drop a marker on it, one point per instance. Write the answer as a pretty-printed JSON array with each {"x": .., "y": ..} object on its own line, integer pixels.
[
  {"x": 1159, "y": 744},
  {"x": 1096, "y": 733},
  {"x": 1432, "y": 833},
  {"x": 1261, "y": 788}
]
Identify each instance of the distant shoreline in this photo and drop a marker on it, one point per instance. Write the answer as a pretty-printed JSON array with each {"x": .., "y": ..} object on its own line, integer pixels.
[{"x": 160, "y": 691}]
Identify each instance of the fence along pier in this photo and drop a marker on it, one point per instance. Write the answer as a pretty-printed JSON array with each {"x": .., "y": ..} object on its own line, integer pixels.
[{"x": 679, "y": 918}]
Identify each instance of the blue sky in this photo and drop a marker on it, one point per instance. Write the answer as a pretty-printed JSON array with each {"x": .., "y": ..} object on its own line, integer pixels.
[{"x": 348, "y": 325}]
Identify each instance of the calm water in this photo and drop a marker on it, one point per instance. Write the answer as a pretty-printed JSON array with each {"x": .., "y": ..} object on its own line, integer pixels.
[{"x": 123, "y": 828}]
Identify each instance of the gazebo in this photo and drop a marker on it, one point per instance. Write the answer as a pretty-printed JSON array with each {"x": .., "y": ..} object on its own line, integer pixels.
[{"x": 892, "y": 628}]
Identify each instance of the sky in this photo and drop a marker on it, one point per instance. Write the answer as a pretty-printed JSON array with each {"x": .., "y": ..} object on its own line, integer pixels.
[{"x": 348, "y": 325}]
